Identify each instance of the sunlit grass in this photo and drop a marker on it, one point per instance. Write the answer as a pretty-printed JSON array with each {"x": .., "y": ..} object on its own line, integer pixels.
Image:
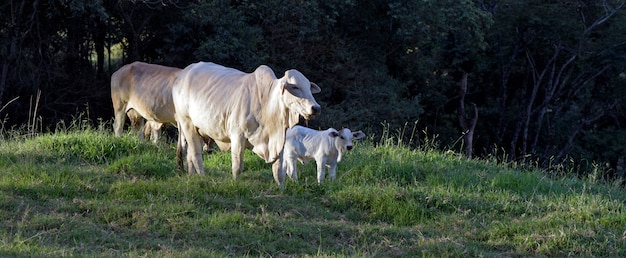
[{"x": 82, "y": 192}]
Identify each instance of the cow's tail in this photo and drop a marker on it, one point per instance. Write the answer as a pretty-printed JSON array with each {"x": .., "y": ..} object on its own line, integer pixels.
[{"x": 119, "y": 105}]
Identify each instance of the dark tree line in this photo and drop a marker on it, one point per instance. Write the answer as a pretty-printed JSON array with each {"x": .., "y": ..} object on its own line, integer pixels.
[{"x": 542, "y": 81}]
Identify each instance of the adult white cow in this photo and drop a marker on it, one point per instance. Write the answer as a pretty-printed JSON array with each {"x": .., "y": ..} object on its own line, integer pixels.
[
  {"x": 325, "y": 147},
  {"x": 240, "y": 110},
  {"x": 141, "y": 90}
]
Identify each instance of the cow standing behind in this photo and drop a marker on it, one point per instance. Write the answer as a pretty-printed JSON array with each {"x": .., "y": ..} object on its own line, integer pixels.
[
  {"x": 325, "y": 147},
  {"x": 240, "y": 110},
  {"x": 141, "y": 90}
]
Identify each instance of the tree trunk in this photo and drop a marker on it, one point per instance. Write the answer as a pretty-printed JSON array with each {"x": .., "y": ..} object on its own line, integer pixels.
[
  {"x": 15, "y": 14},
  {"x": 99, "y": 41},
  {"x": 5, "y": 69},
  {"x": 134, "y": 39},
  {"x": 468, "y": 124}
]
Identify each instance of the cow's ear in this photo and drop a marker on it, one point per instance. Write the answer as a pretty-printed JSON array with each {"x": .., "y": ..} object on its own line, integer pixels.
[
  {"x": 315, "y": 88},
  {"x": 358, "y": 135},
  {"x": 333, "y": 134}
]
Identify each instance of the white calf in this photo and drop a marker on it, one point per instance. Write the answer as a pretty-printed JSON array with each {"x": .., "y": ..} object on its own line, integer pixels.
[{"x": 325, "y": 147}]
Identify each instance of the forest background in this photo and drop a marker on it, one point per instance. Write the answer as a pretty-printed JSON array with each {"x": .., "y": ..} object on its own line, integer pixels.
[{"x": 540, "y": 82}]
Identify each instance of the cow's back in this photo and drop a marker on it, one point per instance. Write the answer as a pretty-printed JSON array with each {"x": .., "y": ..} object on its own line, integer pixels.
[
  {"x": 149, "y": 88},
  {"x": 121, "y": 85},
  {"x": 217, "y": 98}
]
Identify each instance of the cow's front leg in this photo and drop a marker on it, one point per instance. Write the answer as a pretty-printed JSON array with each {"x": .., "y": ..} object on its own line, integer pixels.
[
  {"x": 237, "y": 147},
  {"x": 152, "y": 130},
  {"x": 278, "y": 170},
  {"x": 137, "y": 123}
]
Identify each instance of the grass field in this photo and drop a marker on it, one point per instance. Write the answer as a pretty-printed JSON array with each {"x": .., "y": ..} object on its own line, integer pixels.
[{"x": 83, "y": 192}]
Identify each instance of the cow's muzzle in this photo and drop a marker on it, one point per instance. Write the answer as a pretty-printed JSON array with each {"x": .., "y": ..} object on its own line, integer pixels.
[{"x": 316, "y": 110}]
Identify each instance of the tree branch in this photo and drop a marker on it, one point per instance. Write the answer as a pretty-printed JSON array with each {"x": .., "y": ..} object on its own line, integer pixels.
[{"x": 609, "y": 12}]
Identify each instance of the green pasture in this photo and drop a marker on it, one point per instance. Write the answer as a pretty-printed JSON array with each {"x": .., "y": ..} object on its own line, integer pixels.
[{"x": 83, "y": 192}]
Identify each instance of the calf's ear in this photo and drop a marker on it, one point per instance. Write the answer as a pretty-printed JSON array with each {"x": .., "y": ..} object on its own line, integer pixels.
[
  {"x": 333, "y": 134},
  {"x": 358, "y": 135},
  {"x": 315, "y": 88}
]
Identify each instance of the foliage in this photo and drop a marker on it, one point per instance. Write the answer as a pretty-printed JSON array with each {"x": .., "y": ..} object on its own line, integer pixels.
[
  {"x": 560, "y": 68},
  {"x": 547, "y": 77}
]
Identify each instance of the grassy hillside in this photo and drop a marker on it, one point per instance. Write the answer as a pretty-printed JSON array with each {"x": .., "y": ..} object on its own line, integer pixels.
[{"x": 87, "y": 193}]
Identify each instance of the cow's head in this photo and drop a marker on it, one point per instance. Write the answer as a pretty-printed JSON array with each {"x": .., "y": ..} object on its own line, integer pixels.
[
  {"x": 298, "y": 94},
  {"x": 343, "y": 139}
]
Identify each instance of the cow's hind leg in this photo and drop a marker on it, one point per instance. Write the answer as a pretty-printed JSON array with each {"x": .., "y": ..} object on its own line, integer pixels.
[
  {"x": 120, "y": 116},
  {"x": 194, "y": 147}
]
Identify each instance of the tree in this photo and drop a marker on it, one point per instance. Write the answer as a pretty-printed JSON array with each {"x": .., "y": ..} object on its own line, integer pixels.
[
  {"x": 438, "y": 45},
  {"x": 17, "y": 25},
  {"x": 558, "y": 67},
  {"x": 546, "y": 77},
  {"x": 467, "y": 122}
]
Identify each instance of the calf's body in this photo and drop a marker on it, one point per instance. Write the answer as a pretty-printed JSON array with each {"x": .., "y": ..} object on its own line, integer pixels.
[{"x": 325, "y": 147}]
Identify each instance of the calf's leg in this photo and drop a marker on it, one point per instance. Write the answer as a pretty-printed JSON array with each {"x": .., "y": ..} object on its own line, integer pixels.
[
  {"x": 332, "y": 170},
  {"x": 320, "y": 163},
  {"x": 290, "y": 166}
]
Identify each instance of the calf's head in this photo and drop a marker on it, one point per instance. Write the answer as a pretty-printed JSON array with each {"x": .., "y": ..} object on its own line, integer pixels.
[
  {"x": 343, "y": 140},
  {"x": 298, "y": 92}
]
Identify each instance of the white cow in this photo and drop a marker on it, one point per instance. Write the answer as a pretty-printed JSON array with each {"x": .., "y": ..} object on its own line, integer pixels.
[
  {"x": 240, "y": 110},
  {"x": 325, "y": 147},
  {"x": 141, "y": 90}
]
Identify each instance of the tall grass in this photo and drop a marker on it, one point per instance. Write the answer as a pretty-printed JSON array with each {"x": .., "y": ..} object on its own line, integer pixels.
[{"x": 79, "y": 191}]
